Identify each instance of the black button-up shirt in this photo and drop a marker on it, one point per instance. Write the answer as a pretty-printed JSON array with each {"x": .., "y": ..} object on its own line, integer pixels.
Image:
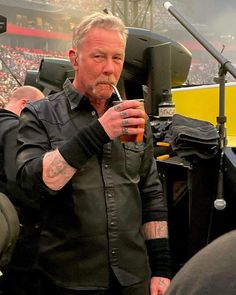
[{"x": 94, "y": 223}]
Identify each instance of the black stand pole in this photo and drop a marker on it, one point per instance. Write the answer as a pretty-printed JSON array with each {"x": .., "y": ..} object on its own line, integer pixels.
[
  {"x": 220, "y": 202},
  {"x": 221, "y": 119}
]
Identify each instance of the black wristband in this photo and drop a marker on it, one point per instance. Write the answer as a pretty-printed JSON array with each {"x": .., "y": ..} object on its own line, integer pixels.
[
  {"x": 159, "y": 257},
  {"x": 87, "y": 142}
]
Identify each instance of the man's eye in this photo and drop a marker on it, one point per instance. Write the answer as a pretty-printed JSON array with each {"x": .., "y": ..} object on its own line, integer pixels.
[
  {"x": 118, "y": 59},
  {"x": 98, "y": 57}
]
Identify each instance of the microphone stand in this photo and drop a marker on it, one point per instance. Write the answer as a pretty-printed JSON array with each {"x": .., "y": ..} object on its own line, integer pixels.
[
  {"x": 207, "y": 45},
  {"x": 225, "y": 66},
  {"x": 220, "y": 202}
]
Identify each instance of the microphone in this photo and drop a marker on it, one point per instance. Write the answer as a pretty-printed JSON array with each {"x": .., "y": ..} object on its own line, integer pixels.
[{"x": 220, "y": 202}]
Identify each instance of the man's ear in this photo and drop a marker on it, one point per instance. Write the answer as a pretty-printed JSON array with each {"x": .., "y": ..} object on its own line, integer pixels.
[
  {"x": 73, "y": 55},
  {"x": 22, "y": 103}
]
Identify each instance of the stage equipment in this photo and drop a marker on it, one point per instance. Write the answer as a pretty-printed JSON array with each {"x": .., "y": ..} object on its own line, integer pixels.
[
  {"x": 189, "y": 189},
  {"x": 53, "y": 73},
  {"x": 31, "y": 78},
  {"x": 224, "y": 220},
  {"x": 158, "y": 63},
  {"x": 225, "y": 66},
  {"x": 137, "y": 62}
]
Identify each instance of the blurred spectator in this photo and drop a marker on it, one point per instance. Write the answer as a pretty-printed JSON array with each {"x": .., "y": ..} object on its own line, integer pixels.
[
  {"x": 211, "y": 271},
  {"x": 16, "y": 278}
]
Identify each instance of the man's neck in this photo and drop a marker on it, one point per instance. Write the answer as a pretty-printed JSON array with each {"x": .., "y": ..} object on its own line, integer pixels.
[{"x": 100, "y": 106}]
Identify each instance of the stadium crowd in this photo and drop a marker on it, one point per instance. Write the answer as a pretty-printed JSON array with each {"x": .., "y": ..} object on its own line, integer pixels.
[{"x": 14, "y": 63}]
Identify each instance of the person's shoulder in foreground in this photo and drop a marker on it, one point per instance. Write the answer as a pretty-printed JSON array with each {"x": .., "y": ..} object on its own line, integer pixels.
[{"x": 211, "y": 271}]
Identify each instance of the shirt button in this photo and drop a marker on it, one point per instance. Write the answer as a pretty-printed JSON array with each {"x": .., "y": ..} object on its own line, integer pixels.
[
  {"x": 112, "y": 223},
  {"x": 113, "y": 252},
  {"x": 106, "y": 166},
  {"x": 109, "y": 195},
  {"x": 93, "y": 113}
]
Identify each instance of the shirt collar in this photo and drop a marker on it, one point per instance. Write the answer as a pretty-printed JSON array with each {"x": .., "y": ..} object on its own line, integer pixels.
[{"x": 73, "y": 96}]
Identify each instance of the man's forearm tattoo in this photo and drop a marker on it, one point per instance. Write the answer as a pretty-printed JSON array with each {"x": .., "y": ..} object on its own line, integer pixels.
[
  {"x": 56, "y": 167},
  {"x": 155, "y": 230}
]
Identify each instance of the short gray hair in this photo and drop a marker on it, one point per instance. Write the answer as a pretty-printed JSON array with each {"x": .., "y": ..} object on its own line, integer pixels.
[{"x": 98, "y": 20}]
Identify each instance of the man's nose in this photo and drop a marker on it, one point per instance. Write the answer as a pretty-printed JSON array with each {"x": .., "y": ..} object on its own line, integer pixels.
[{"x": 109, "y": 67}]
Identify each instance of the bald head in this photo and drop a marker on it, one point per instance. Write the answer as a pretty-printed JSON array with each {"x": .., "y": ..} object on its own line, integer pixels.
[
  {"x": 29, "y": 93},
  {"x": 21, "y": 96}
]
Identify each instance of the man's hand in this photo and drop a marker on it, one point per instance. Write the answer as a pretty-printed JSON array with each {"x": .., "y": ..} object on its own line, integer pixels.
[
  {"x": 159, "y": 285},
  {"x": 123, "y": 119}
]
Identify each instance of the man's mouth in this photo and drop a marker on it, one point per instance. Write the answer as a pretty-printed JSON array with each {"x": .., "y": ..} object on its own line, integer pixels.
[{"x": 104, "y": 85}]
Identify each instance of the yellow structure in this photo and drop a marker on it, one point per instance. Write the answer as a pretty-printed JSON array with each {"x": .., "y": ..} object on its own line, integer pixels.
[{"x": 202, "y": 102}]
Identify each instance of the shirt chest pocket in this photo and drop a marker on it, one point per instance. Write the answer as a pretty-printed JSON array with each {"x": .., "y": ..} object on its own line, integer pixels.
[{"x": 133, "y": 157}]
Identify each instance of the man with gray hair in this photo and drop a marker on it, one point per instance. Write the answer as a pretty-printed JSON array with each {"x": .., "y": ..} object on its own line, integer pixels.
[{"x": 104, "y": 228}]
